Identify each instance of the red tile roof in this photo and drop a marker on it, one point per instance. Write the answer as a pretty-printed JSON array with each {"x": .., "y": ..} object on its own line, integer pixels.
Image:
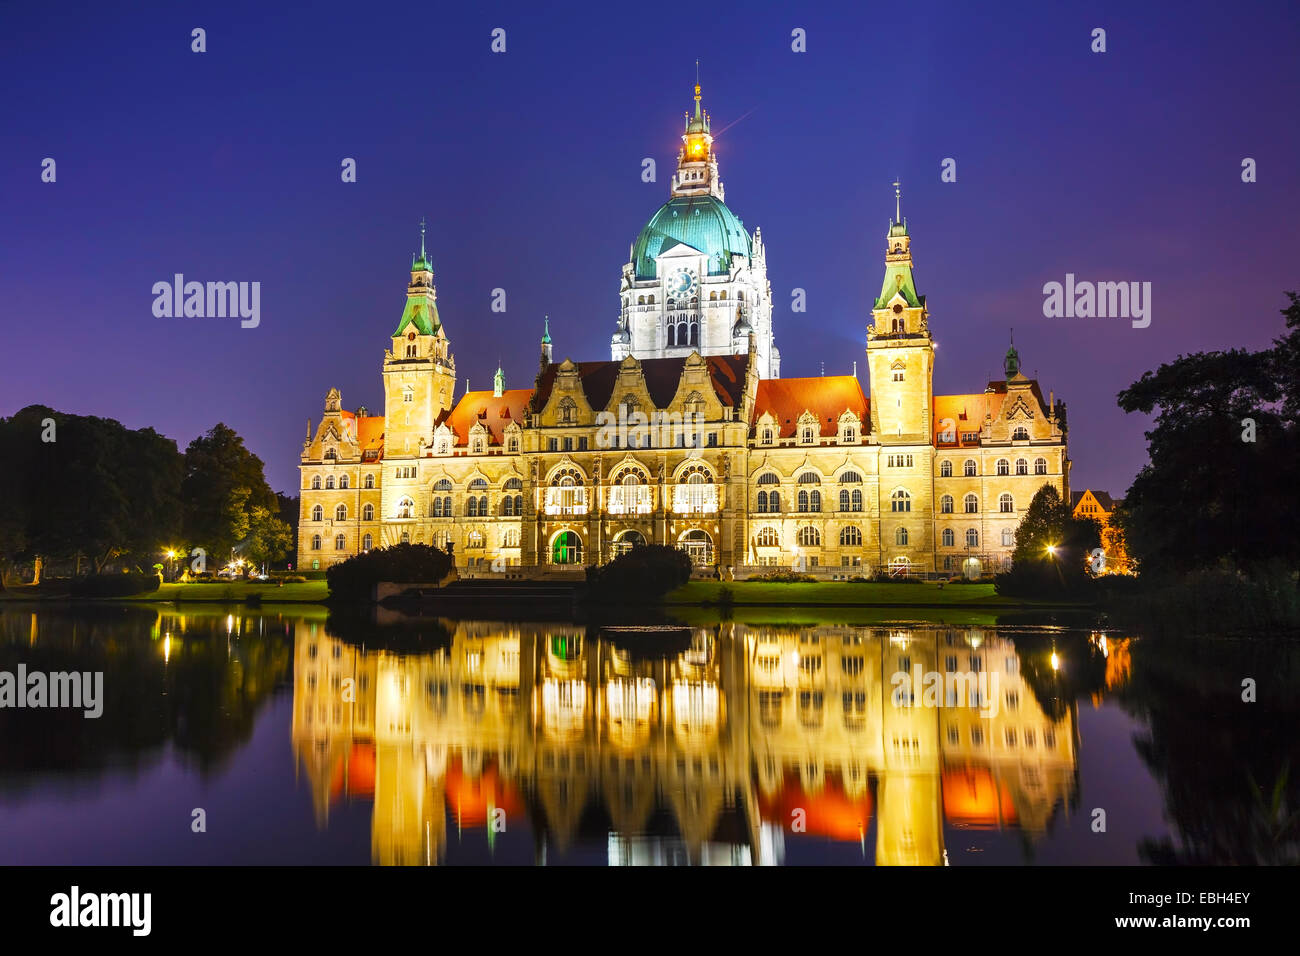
[
  {"x": 662, "y": 376},
  {"x": 967, "y": 413},
  {"x": 368, "y": 431},
  {"x": 495, "y": 413},
  {"x": 827, "y": 397}
]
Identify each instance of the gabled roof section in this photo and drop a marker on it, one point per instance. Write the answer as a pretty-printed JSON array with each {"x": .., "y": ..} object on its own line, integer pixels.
[
  {"x": 662, "y": 376},
  {"x": 1000, "y": 387},
  {"x": 495, "y": 413},
  {"x": 827, "y": 397},
  {"x": 1102, "y": 498}
]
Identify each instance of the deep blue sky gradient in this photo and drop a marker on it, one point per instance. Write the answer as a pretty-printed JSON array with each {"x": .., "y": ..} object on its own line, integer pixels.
[{"x": 225, "y": 166}]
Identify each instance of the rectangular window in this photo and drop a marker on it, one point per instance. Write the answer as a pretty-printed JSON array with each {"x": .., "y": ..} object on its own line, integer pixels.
[
  {"x": 568, "y": 444},
  {"x": 552, "y": 444},
  {"x": 582, "y": 443}
]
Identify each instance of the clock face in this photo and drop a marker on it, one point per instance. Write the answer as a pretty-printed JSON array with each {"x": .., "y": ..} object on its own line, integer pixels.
[{"x": 681, "y": 282}]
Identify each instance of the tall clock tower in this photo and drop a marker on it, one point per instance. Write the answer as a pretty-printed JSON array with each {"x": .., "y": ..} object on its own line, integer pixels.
[
  {"x": 419, "y": 370},
  {"x": 900, "y": 350}
]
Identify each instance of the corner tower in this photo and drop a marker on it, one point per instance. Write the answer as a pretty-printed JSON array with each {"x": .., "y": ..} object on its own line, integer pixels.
[
  {"x": 696, "y": 280},
  {"x": 900, "y": 351},
  {"x": 419, "y": 369}
]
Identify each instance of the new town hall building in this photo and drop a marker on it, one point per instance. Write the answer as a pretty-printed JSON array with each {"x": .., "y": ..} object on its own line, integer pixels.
[{"x": 688, "y": 435}]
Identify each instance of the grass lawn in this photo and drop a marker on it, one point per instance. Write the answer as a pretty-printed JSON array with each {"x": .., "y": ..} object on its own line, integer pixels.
[
  {"x": 237, "y": 591},
  {"x": 844, "y": 593}
]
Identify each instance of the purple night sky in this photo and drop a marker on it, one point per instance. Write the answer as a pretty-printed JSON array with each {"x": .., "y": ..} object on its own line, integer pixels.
[{"x": 224, "y": 166}]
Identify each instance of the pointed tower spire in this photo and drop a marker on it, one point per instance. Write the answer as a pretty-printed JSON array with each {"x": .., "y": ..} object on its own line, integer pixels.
[
  {"x": 498, "y": 382},
  {"x": 1011, "y": 363},
  {"x": 546, "y": 342},
  {"x": 697, "y": 166}
]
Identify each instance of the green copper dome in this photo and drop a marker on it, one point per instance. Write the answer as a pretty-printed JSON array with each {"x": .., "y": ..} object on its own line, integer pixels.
[{"x": 701, "y": 222}]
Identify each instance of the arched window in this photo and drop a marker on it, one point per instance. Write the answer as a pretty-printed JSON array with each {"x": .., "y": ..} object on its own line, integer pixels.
[
  {"x": 566, "y": 548},
  {"x": 769, "y": 478},
  {"x": 315, "y": 542},
  {"x": 1040, "y": 466},
  {"x": 945, "y": 469},
  {"x": 568, "y": 412},
  {"x": 511, "y": 538},
  {"x": 1022, "y": 467},
  {"x": 640, "y": 300},
  {"x": 507, "y": 506},
  {"x": 650, "y": 300},
  {"x": 368, "y": 512},
  {"x": 1006, "y": 504},
  {"x": 844, "y": 499},
  {"x": 762, "y": 502},
  {"x": 329, "y": 483},
  {"x": 900, "y": 501},
  {"x": 948, "y": 538},
  {"x": 471, "y": 506},
  {"x": 945, "y": 505},
  {"x": 968, "y": 469},
  {"x": 315, "y": 483},
  {"x": 519, "y": 504},
  {"x": 513, "y": 484},
  {"x": 340, "y": 542},
  {"x": 1020, "y": 434},
  {"x": 341, "y": 513},
  {"x": 1004, "y": 467},
  {"x": 443, "y": 484},
  {"x": 767, "y": 538},
  {"x": 971, "y": 504},
  {"x": 437, "y": 506},
  {"x": 850, "y": 537},
  {"x": 474, "y": 539},
  {"x": 809, "y": 537},
  {"x": 900, "y": 536},
  {"x": 318, "y": 513},
  {"x": 810, "y": 478},
  {"x": 370, "y": 481},
  {"x": 343, "y": 481},
  {"x": 367, "y": 542},
  {"x": 972, "y": 538},
  {"x": 405, "y": 508},
  {"x": 803, "y": 501},
  {"x": 807, "y": 435},
  {"x": 767, "y": 436}
]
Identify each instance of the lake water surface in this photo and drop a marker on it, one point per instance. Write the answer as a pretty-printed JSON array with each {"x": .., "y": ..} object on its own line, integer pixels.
[{"x": 295, "y": 738}]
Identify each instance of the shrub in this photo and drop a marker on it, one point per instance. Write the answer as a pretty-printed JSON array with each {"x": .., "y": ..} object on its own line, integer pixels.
[
  {"x": 784, "y": 577},
  {"x": 115, "y": 585},
  {"x": 643, "y": 575},
  {"x": 1045, "y": 579},
  {"x": 355, "y": 578}
]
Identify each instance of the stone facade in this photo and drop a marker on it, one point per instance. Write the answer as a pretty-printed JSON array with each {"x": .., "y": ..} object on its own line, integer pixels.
[{"x": 698, "y": 447}]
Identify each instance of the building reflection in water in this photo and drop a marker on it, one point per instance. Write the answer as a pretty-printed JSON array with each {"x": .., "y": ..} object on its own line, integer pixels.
[{"x": 736, "y": 742}]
